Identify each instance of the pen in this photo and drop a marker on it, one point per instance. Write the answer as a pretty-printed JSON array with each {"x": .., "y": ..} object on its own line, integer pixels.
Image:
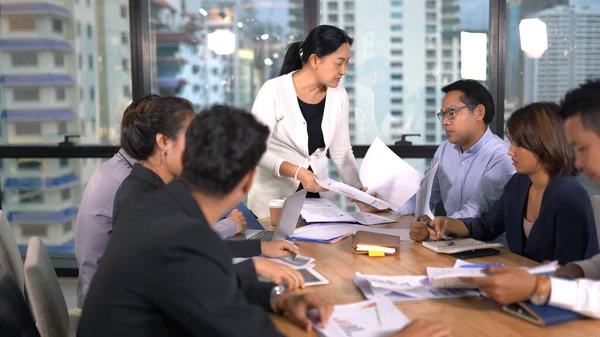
[
  {"x": 482, "y": 265},
  {"x": 442, "y": 237},
  {"x": 293, "y": 243}
]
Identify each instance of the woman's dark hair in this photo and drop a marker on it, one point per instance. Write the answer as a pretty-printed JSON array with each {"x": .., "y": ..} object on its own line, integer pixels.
[
  {"x": 140, "y": 126},
  {"x": 222, "y": 145},
  {"x": 321, "y": 41},
  {"x": 538, "y": 128}
]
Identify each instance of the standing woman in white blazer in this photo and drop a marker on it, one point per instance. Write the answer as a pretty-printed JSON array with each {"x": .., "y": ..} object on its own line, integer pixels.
[{"x": 307, "y": 113}]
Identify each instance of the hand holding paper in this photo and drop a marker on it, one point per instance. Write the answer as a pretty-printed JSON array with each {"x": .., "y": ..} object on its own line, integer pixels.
[{"x": 354, "y": 193}]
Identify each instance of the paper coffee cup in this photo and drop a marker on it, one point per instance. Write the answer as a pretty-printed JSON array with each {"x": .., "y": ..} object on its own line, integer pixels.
[{"x": 275, "y": 207}]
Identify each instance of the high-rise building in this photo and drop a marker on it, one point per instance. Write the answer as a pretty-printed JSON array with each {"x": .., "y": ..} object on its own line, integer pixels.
[
  {"x": 54, "y": 60},
  {"x": 571, "y": 57}
]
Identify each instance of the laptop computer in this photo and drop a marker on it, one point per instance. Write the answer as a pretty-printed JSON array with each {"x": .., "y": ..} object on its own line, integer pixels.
[{"x": 286, "y": 223}]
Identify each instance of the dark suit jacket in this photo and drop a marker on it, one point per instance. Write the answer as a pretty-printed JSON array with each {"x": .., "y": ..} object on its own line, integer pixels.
[
  {"x": 565, "y": 229},
  {"x": 167, "y": 273},
  {"x": 15, "y": 317},
  {"x": 142, "y": 181}
]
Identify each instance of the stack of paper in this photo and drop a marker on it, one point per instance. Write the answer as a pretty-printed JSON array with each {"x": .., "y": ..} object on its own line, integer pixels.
[
  {"x": 373, "y": 318},
  {"x": 325, "y": 211},
  {"x": 406, "y": 288},
  {"x": 331, "y": 233}
]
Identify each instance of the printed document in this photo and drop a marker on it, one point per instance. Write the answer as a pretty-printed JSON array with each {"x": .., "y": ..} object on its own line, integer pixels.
[{"x": 422, "y": 206}]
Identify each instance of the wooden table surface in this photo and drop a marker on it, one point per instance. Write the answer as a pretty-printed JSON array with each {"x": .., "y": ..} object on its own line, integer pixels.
[{"x": 466, "y": 317}]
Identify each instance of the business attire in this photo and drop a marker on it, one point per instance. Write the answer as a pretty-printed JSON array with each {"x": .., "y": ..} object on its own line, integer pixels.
[
  {"x": 468, "y": 183},
  {"x": 565, "y": 229},
  {"x": 143, "y": 181},
  {"x": 167, "y": 273},
  {"x": 95, "y": 217},
  {"x": 15, "y": 316},
  {"x": 295, "y": 138}
]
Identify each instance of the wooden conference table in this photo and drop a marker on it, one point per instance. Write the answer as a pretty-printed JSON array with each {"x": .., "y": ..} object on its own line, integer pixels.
[{"x": 466, "y": 317}]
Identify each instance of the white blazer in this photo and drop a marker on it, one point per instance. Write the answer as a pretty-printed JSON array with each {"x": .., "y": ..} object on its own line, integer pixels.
[{"x": 276, "y": 106}]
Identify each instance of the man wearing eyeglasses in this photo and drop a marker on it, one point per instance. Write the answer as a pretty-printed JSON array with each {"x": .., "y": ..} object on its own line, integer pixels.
[{"x": 473, "y": 164}]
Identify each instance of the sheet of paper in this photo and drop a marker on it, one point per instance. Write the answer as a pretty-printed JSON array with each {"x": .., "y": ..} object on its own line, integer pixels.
[
  {"x": 403, "y": 233},
  {"x": 354, "y": 193},
  {"x": 450, "y": 277},
  {"x": 371, "y": 318},
  {"x": 422, "y": 204},
  {"x": 320, "y": 210},
  {"x": 323, "y": 231},
  {"x": 392, "y": 178},
  {"x": 459, "y": 263},
  {"x": 545, "y": 269},
  {"x": 367, "y": 219}
]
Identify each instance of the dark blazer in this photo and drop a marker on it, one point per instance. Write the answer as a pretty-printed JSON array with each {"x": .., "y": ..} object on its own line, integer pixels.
[
  {"x": 565, "y": 229},
  {"x": 15, "y": 317},
  {"x": 167, "y": 273},
  {"x": 142, "y": 181}
]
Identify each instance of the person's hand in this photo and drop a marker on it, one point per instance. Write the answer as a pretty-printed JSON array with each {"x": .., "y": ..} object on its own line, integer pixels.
[
  {"x": 440, "y": 223},
  {"x": 278, "y": 273},
  {"x": 506, "y": 285},
  {"x": 239, "y": 219},
  {"x": 278, "y": 249},
  {"x": 365, "y": 207},
  {"x": 309, "y": 181},
  {"x": 423, "y": 328},
  {"x": 419, "y": 231},
  {"x": 570, "y": 270},
  {"x": 297, "y": 305}
]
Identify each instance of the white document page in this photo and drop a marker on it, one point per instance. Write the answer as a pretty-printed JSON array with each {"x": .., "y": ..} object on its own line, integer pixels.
[
  {"x": 321, "y": 210},
  {"x": 367, "y": 219},
  {"x": 372, "y": 318},
  {"x": 323, "y": 231},
  {"x": 424, "y": 194},
  {"x": 450, "y": 277},
  {"x": 392, "y": 178},
  {"x": 355, "y": 193}
]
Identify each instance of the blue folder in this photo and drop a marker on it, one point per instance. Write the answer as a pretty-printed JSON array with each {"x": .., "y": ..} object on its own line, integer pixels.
[
  {"x": 251, "y": 219},
  {"x": 542, "y": 315}
]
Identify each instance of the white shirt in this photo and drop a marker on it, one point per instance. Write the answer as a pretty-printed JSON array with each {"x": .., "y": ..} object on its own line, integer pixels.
[
  {"x": 276, "y": 106},
  {"x": 582, "y": 295}
]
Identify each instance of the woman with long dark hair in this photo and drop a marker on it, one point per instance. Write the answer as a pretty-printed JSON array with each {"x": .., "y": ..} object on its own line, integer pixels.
[{"x": 307, "y": 113}]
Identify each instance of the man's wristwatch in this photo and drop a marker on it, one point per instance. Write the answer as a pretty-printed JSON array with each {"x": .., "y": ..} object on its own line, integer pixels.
[
  {"x": 541, "y": 295},
  {"x": 276, "y": 291}
]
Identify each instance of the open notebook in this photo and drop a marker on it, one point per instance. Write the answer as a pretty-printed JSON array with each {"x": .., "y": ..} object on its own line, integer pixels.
[{"x": 457, "y": 246}]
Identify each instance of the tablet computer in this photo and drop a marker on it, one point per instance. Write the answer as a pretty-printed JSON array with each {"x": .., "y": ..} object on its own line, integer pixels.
[{"x": 312, "y": 277}]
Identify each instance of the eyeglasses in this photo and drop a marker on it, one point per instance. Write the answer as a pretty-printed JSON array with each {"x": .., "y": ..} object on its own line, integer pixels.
[{"x": 451, "y": 113}]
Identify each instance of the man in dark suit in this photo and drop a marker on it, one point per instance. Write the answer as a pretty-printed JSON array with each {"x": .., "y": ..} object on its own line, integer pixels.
[{"x": 167, "y": 273}]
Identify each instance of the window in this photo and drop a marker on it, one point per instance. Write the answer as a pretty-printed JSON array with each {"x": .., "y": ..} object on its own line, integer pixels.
[
  {"x": 430, "y": 28},
  {"x": 65, "y": 194},
  {"x": 34, "y": 230},
  {"x": 396, "y": 40},
  {"x": 430, "y": 90},
  {"x": 21, "y": 23},
  {"x": 126, "y": 65},
  {"x": 61, "y": 94},
  {"x": 26, "y": 94},
  {"x": 28, "y": 128},
  {"x": 31, "y": 197},
  {"x": 431, "y": 16},
  {"x": 396, "y": 15},
  {"x": 126, "y": 90},
  {"x": 24, "y": 59},
  {"x": 124, "y": 38},
  {"x": 332, "y": 17},
  {"x": 430, "y": 102},
  {"x": 91, "y": 62},
  {"x": 92, "y": 94},
  {"x": 81, "y": 94},
  {"x": 349, "y": 17},
  {"x": 124, "y": 11},
  {"x": 88, "y": 3},
  {"x": 332, "y": 6},
  {"x": 80, "y": 59},
  {"x": 64, "y": 162},
  {"x": 396, "y": 89},
  {"x": 59, "y": 59},
  {"x": 195, "y": 69},
  {"x": 78, "y": 29},
  {"x": 348, "y": 5},
  {"x": 350, "y": 30},
  {"x": 397, "y": 113},
  {"x": 430, "y": 126},
  {"x": 89, "y": 31},
  {"x": 396, "y": 3},
  {"x": 196, "y": 88},
  {"x": 396, "y": 101},
  {"x": 430, "y": 4},
  {"x": 431, "y": 53},
  {"x": 430, "y": 139},
  {"x": 62, "y": 128},
  {"x": 396, "y": 76},
  {"x": 397, "y": 52},
  {"x": 29, "y": 165},
  {"x": 396, "y": 28},
  {"x": 396, "y": 65},
  {"x": 57, "y": 26}
]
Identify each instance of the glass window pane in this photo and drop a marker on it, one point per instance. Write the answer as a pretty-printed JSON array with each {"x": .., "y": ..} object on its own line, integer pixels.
[
  {"x": 222, "y": 51},
  {"x": 392, "y": 87}
]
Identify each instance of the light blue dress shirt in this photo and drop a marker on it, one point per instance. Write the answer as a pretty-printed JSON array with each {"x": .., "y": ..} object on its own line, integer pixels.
[{"x": 469, "y": 182}]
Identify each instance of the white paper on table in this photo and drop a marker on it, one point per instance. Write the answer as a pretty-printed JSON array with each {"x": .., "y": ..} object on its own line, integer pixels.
[
  {"x": 377, "y": 317},
  {"x": 392, "y": 178},
  {"x": 548, "y": 268},
  {"x": 319, "y": 210},
  {"x": 450, "y": 277},
  {"x": 367, "y": 219},
  {"x": 323, "y": 231},
  {"x": 459, "y": 263},
  {"x": 355, "y": 193},
  {"x": 403, "y": 233},
  {"x": 422, "y": 203}
]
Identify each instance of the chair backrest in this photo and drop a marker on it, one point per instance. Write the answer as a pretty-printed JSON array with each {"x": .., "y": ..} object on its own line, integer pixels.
[
  {"x": 596, "y": 206},
  {"x": 15, "y": 317},
  {"x": 43, "y": 292},
  {"x": 10, "y": 257}
]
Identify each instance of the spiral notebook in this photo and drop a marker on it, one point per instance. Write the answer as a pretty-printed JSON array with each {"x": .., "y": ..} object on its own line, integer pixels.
[{"x": 457, "y": 246}]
